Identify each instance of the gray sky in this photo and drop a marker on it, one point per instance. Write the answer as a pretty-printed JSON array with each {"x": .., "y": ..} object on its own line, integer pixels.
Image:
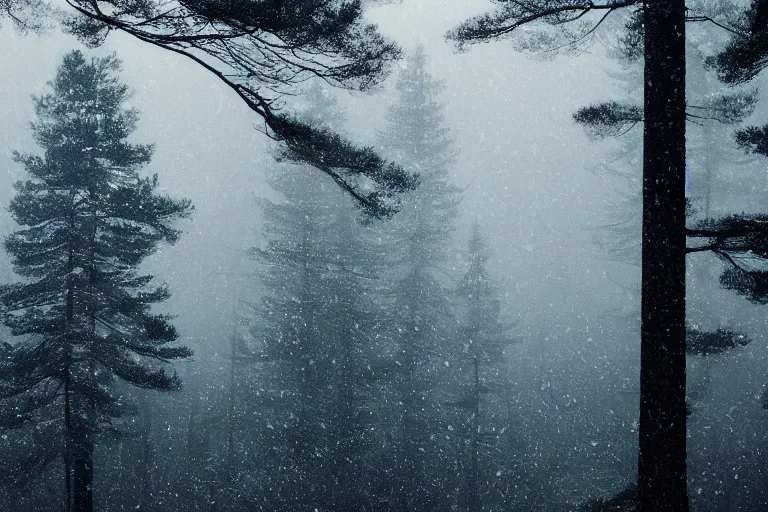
[{"x": 526, "y": 166}]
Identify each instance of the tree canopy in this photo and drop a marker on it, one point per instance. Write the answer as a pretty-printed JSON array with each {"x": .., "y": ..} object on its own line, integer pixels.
[{"x": 263, "y": 50}]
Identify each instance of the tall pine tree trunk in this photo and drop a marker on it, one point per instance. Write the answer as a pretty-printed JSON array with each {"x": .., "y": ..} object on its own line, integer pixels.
[
  {"x": 231, "y": 403},
  {"x": 474, "y": 479},
  {"x": 474, "y": 471},
  {"x": 347, "y": 428},
  {"x": 82, "y": 469},
  {"x": 82, "y": 465},
  {"x": 68, "y": 441},
  {"x": 406, "y": 474},
  {"x": 146, "y": 465},
  {"x": 662, "y": 459},
  {"x": 69, "y": 316},
  {"x": 409, "y": 467}
]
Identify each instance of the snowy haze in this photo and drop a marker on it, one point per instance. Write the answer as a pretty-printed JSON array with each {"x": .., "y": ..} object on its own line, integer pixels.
[
  {"x": 529, "y": 177},
  {"x": 524, "y": 163}
]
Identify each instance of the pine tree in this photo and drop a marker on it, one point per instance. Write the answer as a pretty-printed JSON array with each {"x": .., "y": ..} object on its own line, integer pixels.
[
  {"x": 314, "y": 335},
  {"x": 657, "y": 31},
  {"x": 713, "y": 111},
  {"x": 265, "y": 51},
  {"x": 87, "y": 219},
  {"x": 416, "y": 244},
  {"x": 483, "y": 379},
  {"x": 313, "y": 338},
  {"x": 288, "y": 338}
]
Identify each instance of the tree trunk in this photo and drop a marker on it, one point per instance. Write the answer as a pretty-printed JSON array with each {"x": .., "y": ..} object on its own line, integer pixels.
[
  {"x": 69, "y": 315},
  {"x": 408, "y": 478},
  {"x": 145, "y": 482},
  {"x": 231, "y": 404},
  {"x": 407, "y": 482},
  {"x": 662, "y": 458},
  {"x": 474, "y": 472},
  {"x": 68, "y": 442},
  {"x": 82, "y": 469},
  {"x": 82, "y": 463}
]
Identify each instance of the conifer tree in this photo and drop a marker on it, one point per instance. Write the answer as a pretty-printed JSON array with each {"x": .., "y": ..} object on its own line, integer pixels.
[
  {"x": 314, "y": 336},
  {"x": 712, "y": 111},
  {"x": 655, "y": 30},
  {"x": 83, "y": 310},
  {"x": 416, "y": 243},
  {"x": 482, "y": 380}
]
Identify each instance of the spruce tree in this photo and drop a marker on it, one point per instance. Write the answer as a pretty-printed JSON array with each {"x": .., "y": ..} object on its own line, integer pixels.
[
  {"x": 83, "y": 310},
  {"x": 314, "y": 336},
  {"x": 420, "y": 325},
  {"x": 482, "y": 382}
]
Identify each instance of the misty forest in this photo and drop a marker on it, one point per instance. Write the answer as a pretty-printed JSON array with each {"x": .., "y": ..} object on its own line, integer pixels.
[{"x": 338, "y": 256}]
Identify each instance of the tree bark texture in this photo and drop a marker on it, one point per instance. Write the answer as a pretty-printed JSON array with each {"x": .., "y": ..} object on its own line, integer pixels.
[{"x": 662, "y": 479}]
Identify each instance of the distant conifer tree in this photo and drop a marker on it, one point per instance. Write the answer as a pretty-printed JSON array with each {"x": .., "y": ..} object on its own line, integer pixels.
[
  {"x": 417, "y": 243},
  {"x": 482, "y": 380}
]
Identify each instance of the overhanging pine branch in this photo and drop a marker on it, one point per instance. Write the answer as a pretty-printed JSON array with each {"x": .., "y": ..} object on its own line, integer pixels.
[{"x": 263, "y": 52}]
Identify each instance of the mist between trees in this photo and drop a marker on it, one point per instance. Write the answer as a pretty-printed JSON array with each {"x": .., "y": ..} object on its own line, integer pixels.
[{"x": 374, "y": 357}]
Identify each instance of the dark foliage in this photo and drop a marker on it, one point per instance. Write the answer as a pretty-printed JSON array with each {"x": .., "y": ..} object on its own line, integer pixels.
[
  {"x": 87, "y": 221},
  {"x": 556, "y": 24},
  {"x": 751, "y": 284},
  {"x": 613, "y": 119},
  {"x": 747, "y": 52},
  {"x": 624, "y": 501},
  {"x": 753, "y": 140},
  {"x": 263, "y": 50},
  {"x": 742, "y": 242},
  {"x": 745, "y": 234},
  {"x": 610, "y": 119},
  {"x": 700, "y": 343}
]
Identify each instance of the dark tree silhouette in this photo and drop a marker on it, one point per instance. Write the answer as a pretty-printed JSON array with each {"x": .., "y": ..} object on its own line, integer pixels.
[
  {"x": 88, "y": 220},
  {"x": 564, "y": 23}
]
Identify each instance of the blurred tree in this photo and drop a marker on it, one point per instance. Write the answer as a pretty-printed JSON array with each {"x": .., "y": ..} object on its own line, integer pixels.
[
  {"x": 83, "y": 311},
  {"x": 27, "y": 15},
  {"x": 315, "y": 339},
  {"x": 483, "y": 377},
  {"x": 416, "y": 245}
]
